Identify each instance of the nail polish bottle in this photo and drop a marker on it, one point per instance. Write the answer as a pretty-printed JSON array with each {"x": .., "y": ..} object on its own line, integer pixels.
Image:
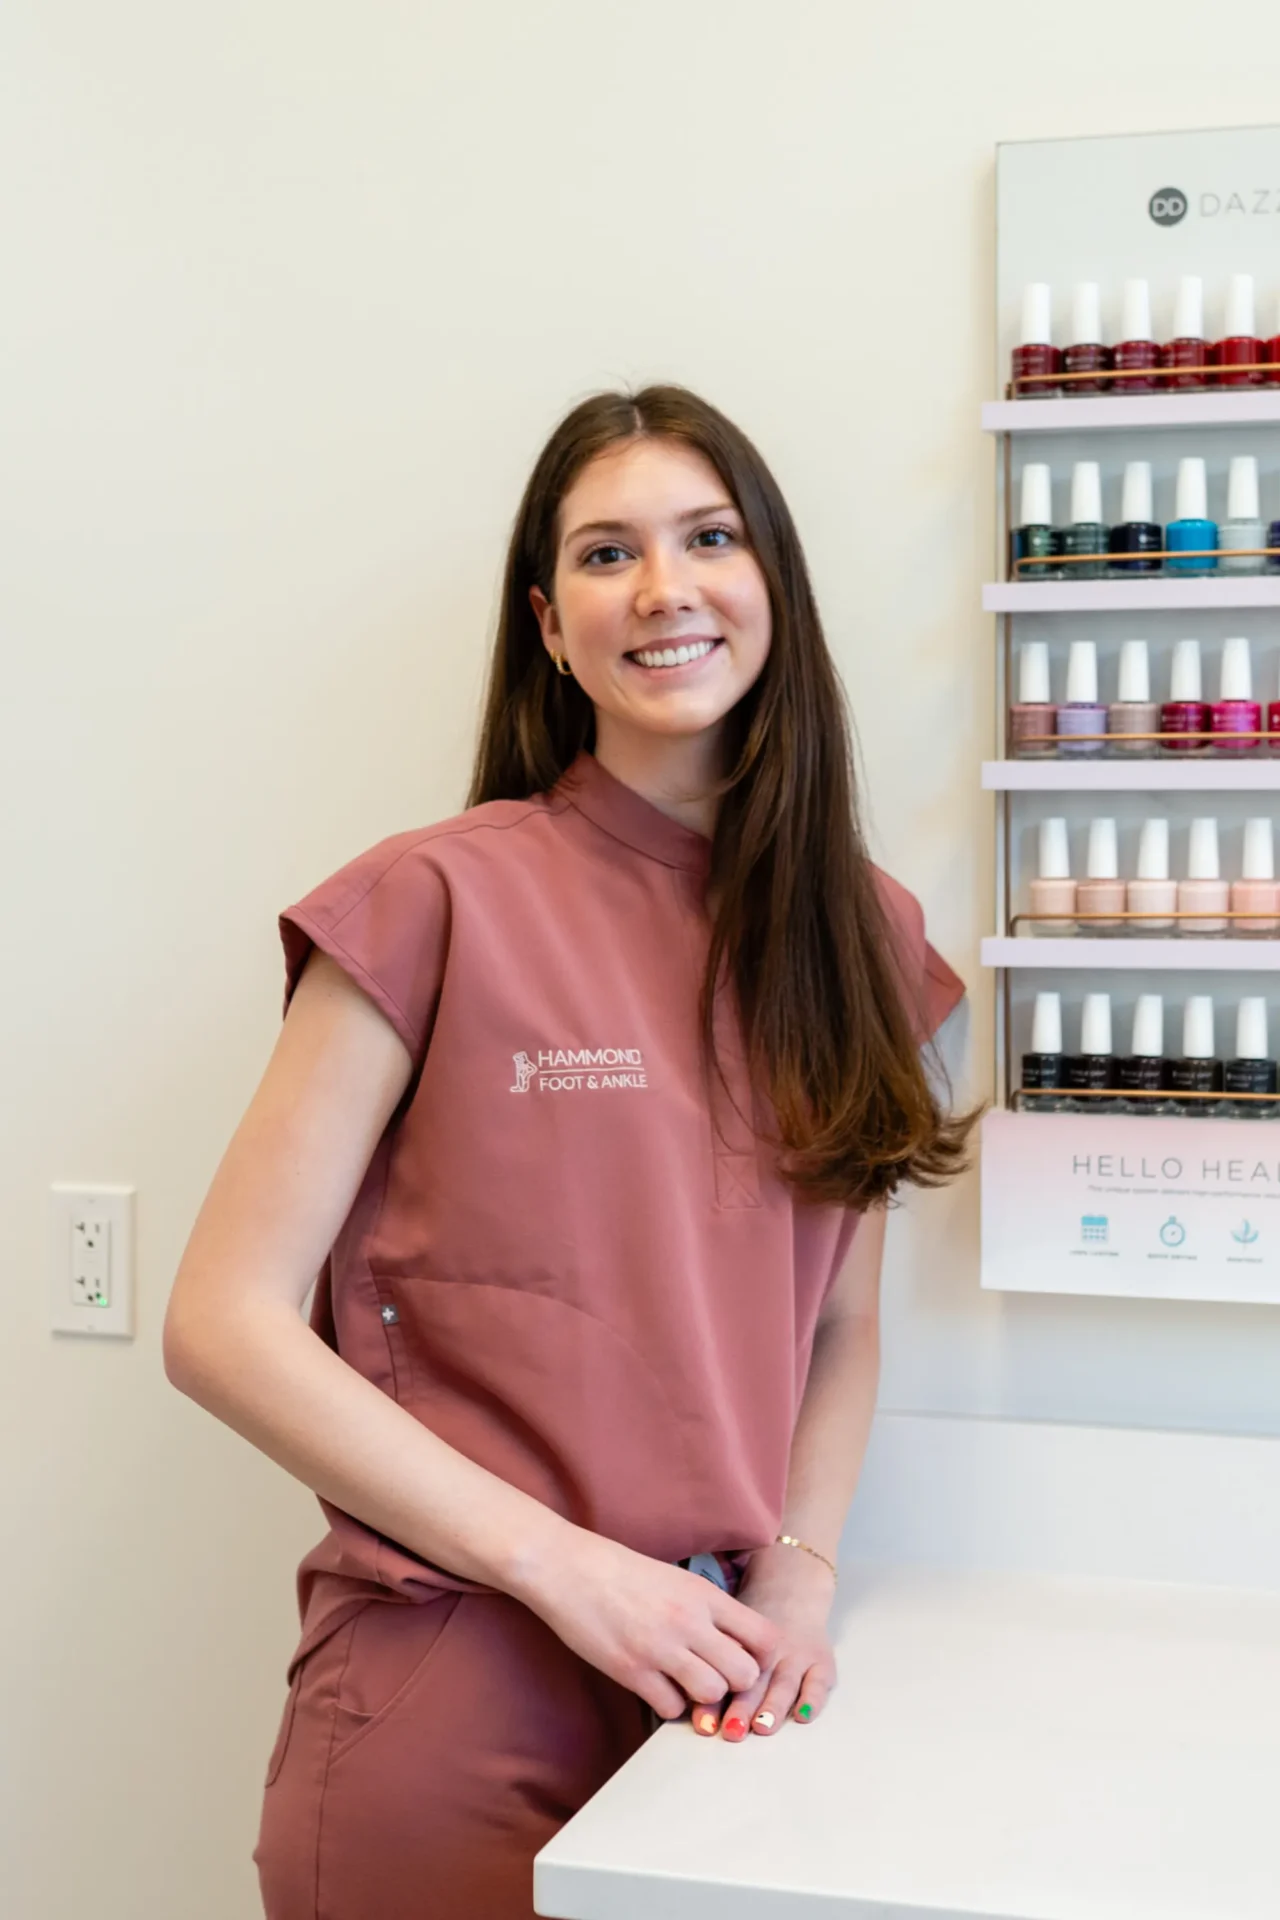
[
  {"x": 1152, "y": 894},
  {"x": 1053, "y": 891},
  {"x": 1271, "y": 353},
  {"x": 1032, "y": 713},
  {"x": 1136, "y": 352},
  {"x": 1081, "y": 713},
  {"x": 1142, "y": 1071},
  {"x": 1134, "y": 711},
  {"x": 1197, "y": 1071},
  {"x": 1273, "y": 727},
  {"x": 1243, "y": 524},
  {"x": 1085, "y": 532},
  {"x": 1203, "y": 892},
  {"x": 1184, "y": 714},
  {"x": 1251, "y": 1071},
  {"x": 1102, "y": 890},
  {"x": 1273, "y": 541},
  {"x": 1236, "y": 355},
  {"x": 1257, "y": 891},
  {"x": 1235, "y": 711},
  {"x": 1191, "y": 529},
  {"x": 1035, "y": 359},
  {"x": 1036, "y": 538},
  {"x": 1137, "y": 532},
  {"x": 1188, "y": 350},
  {"x": 1041, "y": 1087},
  {"x": 1086, "y": 354},
  {"x": 1093, "y": 1068}
]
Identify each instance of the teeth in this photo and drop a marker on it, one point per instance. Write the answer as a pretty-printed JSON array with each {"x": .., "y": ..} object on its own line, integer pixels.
[{"x": 674, "y": 656}]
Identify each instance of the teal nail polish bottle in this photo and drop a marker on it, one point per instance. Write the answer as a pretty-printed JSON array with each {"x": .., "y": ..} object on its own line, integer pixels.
[{"x": 1192, "y": 528}]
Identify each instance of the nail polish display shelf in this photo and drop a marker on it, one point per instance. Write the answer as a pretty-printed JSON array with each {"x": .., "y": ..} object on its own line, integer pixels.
[
  {"x": 1130, "y": 596},
  {"x": 1179, "y": 955},
  {"x": 1123, "y": 413},
  {"x": 1132, "y": 776}
]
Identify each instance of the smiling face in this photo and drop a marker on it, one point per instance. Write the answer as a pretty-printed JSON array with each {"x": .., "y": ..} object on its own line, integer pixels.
[{"x": 658, "y": 604}]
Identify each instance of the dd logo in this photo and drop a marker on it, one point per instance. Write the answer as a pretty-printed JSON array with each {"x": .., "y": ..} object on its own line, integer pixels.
[{"x": 1167, "y": 207}]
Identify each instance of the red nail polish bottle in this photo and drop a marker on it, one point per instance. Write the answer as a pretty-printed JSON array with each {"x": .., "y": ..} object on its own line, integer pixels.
[
  {"x": 1271, "y": 352},
  {"x": 1136, "y": 352},
  {"x": 1086, "y": 354},
  {"x": 1184, "y": 712},
  {"x": 1035, "y": 359},
  {"x": 1236, "y": 355},
  {"x": 1188, "y": 350}
]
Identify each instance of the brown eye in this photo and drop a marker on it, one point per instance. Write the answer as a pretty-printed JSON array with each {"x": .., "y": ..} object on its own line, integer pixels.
[{"x": 610, "y": 552}]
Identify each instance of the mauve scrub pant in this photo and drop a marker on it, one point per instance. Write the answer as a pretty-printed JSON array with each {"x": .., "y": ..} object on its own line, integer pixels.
[{"x": 425, "y": 1755}]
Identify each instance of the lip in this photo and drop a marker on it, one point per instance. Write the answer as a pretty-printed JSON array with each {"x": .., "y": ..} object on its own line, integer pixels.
[{"x": 689, "y": 666}]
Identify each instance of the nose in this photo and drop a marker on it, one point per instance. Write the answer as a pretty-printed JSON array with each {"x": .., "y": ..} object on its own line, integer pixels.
[{"x": 665, "y": 584}]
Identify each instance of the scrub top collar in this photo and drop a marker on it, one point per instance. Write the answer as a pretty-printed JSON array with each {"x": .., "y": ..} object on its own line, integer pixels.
[{"x": 625, "y": 814}]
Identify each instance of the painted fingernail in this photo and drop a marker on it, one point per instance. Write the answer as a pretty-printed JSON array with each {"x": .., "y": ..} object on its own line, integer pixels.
[
  {"x": 802, "y": 1713},
  {"x": 764, "y": 1719},
  {"x": 735, "y": 1727},
  {"x": 707, "y": 1722}
]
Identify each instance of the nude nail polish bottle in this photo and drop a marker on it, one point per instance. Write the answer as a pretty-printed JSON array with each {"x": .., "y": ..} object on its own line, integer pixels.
[
  {"x": 1102, "y": 890},
  {"x": 1257, "y": 891},
  {"x": 1053, "y": 891},
  {"x": 1134, "y": 712},
  {"x": 1197, "y": 1070},
  {"x": 1251, "y": 1070},
  {"x": 1031, "y": 717},
  {"x": 1081, "y": 714},
  {"x": 1041, "y": 1084},
  {"x": 1092, "y": 1071},
  {"x": 1243, "y": 525},
  {"x": 1141, "y": 1072},
  {"x": 1184, "y": 717},
  {"x": 1235, "y": 714},
  {"x": 1188, "y": 350},
  {"x": 1203, "y": 893},
  {"x": 1152, "y": 893}
]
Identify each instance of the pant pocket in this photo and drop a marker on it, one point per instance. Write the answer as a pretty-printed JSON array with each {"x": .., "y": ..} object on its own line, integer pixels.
[
  {"x": 390, "y": 1648},
  {"x": 281, "y": 1746}
]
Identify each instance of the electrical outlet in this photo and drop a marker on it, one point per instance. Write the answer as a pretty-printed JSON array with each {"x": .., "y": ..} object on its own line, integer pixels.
[{"x": 91, "y": 1259}]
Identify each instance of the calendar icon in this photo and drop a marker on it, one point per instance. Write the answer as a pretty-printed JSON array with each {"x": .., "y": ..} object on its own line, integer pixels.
[{"x": 1093, "y": 1227}]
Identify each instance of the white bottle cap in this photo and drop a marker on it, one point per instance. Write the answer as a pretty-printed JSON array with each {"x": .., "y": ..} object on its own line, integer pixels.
[
  {"x": 1184, "y": 679},
  {"x": 1148, "y": 1026},
  {"x": 1095, "y": 1024},
  {"x": 1188, "y": 312},
  {"x": 1251, "y": 1029},
  {"x": 1238, "y": 320},
  {"x": 1046, "y": 1024},
  {"x": 1259, "y": 861},
  {"x": 1135, "y": 501},
  {"x": 1242, "y": 487},
  {"x": 1082, "y": 673},
  {"x": 1037, "y": 298},
  {"x": 1197, "y": 1027},
  {"x": 1153, "y": 850},
  {"x": 1037, "y": 495},
  {"x": 1193, "y": 490},
  {"x": 1055, "y": 856},
  {"x": 1135, "y": 311},
  {"x": 1104, "y": 860},
  {"x": 1235, "y": 674},
  {"x": 1086, "y": 492},
  {"x": 1033, "y": 673},
  {"x": 1135, "y": 672},
  {"x": 1202, "y": 850},
  {"x": 1086, "y": 314}
]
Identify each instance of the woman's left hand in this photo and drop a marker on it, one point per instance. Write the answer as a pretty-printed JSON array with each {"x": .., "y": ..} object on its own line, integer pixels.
[{"x": 795, "y": 1591}]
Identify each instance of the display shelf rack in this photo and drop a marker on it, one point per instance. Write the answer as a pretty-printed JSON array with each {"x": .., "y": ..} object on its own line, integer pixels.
[
  {"x": 1132, "y": 776},
  {"x": 1131, "y": 596},
  {"x": 1177, "y": 953},
  {"x": 1124, "y": 414}
]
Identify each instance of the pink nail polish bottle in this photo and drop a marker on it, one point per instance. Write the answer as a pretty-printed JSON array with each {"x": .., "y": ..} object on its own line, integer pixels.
[
  {"x": 1102, "y": 889},
  {"x": 1152, "y": 892},
  {"x": 1257, "y": 891},
  {"x": 1204, "y": 891},
  {"x": 1031, "y": 717},
  {"x": 1235, "y": 711},
  {"x": 1053, "y": 891}
]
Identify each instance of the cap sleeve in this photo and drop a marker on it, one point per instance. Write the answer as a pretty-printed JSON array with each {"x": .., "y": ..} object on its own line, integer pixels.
[
  {"x": 931, "y": 988},
  {"x": 384, "y": 917}
]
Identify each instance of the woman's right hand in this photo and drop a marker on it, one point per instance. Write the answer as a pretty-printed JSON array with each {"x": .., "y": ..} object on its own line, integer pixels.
[{"x": 666, "y": 1633}]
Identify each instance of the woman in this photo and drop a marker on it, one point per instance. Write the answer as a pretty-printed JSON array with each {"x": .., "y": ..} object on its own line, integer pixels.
[{"x": 586, "y": 1108}]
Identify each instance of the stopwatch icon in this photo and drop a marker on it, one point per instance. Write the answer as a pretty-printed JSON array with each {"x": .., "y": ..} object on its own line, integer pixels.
[{"x": 1172, "y": 1233}]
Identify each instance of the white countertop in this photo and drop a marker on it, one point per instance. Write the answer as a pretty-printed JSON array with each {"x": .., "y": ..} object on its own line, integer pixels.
[{"x": 1002, "y": 1745}]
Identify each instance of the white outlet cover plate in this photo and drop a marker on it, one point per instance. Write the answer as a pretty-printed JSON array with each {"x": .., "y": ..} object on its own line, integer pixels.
[{"x": 114, "y": 1204}]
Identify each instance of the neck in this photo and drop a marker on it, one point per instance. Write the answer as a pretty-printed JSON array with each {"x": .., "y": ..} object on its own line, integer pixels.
[{"x": 672, "y": 772}]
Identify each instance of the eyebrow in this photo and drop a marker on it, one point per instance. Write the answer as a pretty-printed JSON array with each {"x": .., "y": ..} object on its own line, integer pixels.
[{"x": 626, "y": 526}]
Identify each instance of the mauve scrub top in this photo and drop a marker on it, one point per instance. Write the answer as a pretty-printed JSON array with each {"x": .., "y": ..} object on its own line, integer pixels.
[{"x": 555, "y": 1260}]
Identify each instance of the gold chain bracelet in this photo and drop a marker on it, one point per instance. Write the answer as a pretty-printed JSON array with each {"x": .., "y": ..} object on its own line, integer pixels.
[{"x": 789, "y": 1540}]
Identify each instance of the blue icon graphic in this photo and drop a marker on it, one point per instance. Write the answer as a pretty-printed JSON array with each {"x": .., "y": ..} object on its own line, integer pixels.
[
  {"x": 1245, "y": 1234},
  {"x": 1173, "y": 1233},
  {"x": 1093, "y": 1226}
]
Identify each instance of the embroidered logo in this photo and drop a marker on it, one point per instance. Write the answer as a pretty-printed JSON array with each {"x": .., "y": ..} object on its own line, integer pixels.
[{"x": 579, "y": 1069}]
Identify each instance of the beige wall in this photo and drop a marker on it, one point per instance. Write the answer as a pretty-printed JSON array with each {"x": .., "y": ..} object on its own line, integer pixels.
[{"x": 293, "y": 292}]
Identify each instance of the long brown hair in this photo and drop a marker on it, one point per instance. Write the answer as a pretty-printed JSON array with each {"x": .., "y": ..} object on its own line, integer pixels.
[{"x": 799, "y": 924}]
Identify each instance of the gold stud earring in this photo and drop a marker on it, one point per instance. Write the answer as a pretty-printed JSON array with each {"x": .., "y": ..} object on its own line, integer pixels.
[{"x": 562, "y": 665}]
